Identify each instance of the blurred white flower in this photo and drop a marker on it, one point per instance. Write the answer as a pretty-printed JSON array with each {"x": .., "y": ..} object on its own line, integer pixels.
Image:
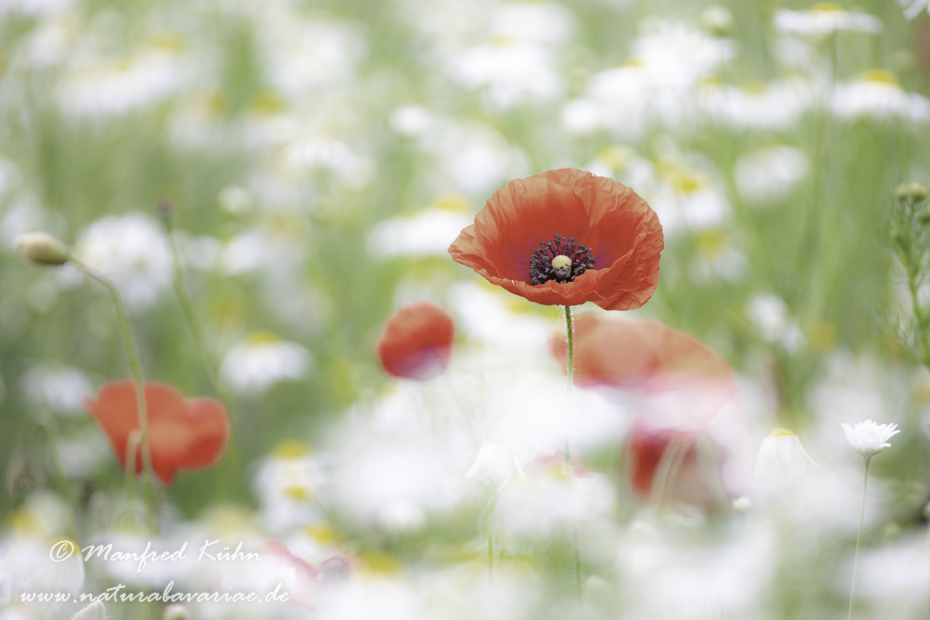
[
  {"x": 510, "y": 73},
  {"x": 770, "y": 315},
  {"x": 429, "y": 232},
  {"x": 411, "y": 120},
  {"x": 236, "y": 200},
  {"x": 61, "y": 388},
  {"x": 782, "y": 457},
  {"x": 913, "y": 8},
  {"x": 40, "y": 8},
  {"x": 25, "y": 561},
  {"x": 176, "y": 611},
  {"x": 326, "y": 153},
  {"x": 84, "y": 453},
  {"x": 132, "y": 251},
  {"x": 869, "y": 438},
  {"x": 772, "y": 106},
  {"x": 288, "y": 484},
  {"x": 896, "y": 576},
  {"x": 262, "y": 360},
  {"x": 668, "y": 60},
  {"x": 301, "y": 55},
  {"x": 717, "y": 258},
  {"x": 391, "y": 484},
  {"x": 198, "y": 252},
  {"x": 825, "y": 18},
  {"x": 118, "y": 86},
  {"x": 548, "y": 499},
  {"x": 769, "y": 174},
  {"x": 548, "y": 23},
  {"x": 472, "y": 157},
  {"x": 877, "y": 94},
  {"x": 686, "y": 195},
  {"x": 510, "y": 51},
  {"x": 717, "y": 19},
  {"x": 496, "y": 463}
]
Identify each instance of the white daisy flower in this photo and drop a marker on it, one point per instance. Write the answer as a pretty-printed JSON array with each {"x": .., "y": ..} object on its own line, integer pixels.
[
  {"x": 914, "y": 7},
  {"x": 825, "y": 18},
  {"x": 61, "y": 388},
  {"x": 869, "y": 438},
  {"x": 770, "y": 315},
  {"x": 132, "y": 252},
  {"x": 288, "y": 484},
  {"x": 877, "y": 94},
  {"x": 767, "y": 175},
  {"x": 781, "y": 455},
  {"x": 428, "y": 233},
  {"x": 263, "y": 360},
  {"x": 773, "y": 106},
  {"x": 496, "y": 463},
  {"x": 116, "y": 86}
]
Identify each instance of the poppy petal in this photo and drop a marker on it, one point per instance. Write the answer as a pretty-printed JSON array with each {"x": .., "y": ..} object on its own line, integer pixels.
[
  {"x": 184, "y": 434},
  {"x": 623, "y": 232},
  {"x": 416, "y": 341}
]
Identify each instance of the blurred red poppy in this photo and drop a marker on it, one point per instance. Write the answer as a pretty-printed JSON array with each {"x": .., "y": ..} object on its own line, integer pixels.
[
  {"x": 650, "y": 359},
  {"x": 564, "y": 237},
  {"x": 416, "y": 341},
  {"x": 679, "y": 390},
  {"x": 184, "y": 434}
]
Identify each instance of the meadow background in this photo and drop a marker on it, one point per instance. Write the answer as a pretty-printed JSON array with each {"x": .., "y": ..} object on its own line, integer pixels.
[{"x": 319, "y": 158}]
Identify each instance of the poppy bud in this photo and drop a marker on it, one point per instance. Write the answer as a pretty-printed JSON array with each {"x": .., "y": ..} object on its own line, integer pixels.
[
  {"x": 165, "y": 211},
  {"x": 41, "y": 248},
  {"x": 913, "y": 191},
  {"x": 416, "y": 341}
]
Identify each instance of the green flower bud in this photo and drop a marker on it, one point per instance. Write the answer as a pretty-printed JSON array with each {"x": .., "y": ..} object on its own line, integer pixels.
[
  {"x": 912, "y": 191},
  {"x": 41, "y": 248}
]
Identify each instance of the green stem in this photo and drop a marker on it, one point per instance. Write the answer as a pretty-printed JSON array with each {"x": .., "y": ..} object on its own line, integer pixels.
[
  {"x": 852, "y": 587},
  {"x": 148, "y": 477},
  {"x": 570, "y": 378},
  {"x": 490, "y": 555},
  {"x": 923, "y": 318},
  {"x": 672, "y": 457},
  {"x": 576, "y": 546},
  {"x": 234, "y": 464},
  {"x": 191, "y": 317}
]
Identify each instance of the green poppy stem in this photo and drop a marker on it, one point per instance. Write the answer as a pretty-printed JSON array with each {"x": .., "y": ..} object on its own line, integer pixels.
[
  {"x": 135, "y": 369},
  {"x": 852, "y": 587},
  {"x": 576, "y": 546},
  {"x": 231, "y": 484}
]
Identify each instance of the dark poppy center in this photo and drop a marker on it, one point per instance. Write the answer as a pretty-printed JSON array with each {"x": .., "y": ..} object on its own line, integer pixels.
[{"x": 561, "y": 260}]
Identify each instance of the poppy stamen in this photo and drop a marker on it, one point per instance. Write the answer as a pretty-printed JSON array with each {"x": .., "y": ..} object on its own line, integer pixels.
[{"x": 561, "y": 260}]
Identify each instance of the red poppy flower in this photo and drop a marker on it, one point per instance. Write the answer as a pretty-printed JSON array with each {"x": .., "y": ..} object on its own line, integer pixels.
[
  {"x": 685, "y": 477},
  {"x": 184, "y": 434},
  {"x": 667, "y": 366},
  {"x": 680, "y": 390},
  {"x": 564, "y": 237},
  {"x": 416, "y": 341}
]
